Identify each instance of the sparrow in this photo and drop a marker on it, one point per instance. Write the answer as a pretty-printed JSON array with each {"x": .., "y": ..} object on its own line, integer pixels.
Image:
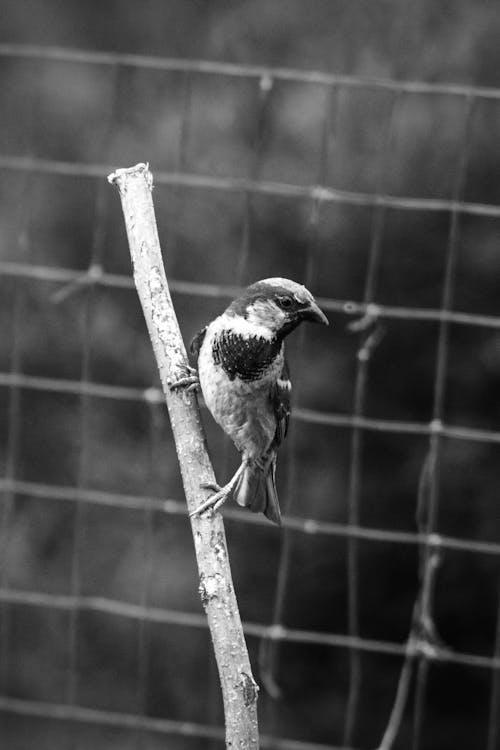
[{"x": 245, "y": 384}]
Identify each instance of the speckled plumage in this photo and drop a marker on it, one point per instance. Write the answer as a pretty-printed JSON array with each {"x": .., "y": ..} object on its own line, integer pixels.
[{"x": 245, "y": 384}]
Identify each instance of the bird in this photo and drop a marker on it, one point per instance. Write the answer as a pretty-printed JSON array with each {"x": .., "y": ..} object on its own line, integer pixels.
[{"x": 244, "y": 378}]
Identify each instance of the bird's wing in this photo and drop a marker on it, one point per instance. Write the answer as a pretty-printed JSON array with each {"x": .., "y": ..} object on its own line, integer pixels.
[
  {"x": 280, "y": 398},
  {"x": 197, "y": 341}
]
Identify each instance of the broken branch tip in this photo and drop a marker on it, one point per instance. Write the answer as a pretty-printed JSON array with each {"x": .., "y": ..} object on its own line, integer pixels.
[{"x": 124, "y": 171}]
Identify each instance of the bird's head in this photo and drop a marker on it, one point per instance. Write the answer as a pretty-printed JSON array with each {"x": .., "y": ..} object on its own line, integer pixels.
[{"x": 277, "y": 305}]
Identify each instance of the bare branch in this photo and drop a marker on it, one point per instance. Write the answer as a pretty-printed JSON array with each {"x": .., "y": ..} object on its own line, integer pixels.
[{"x": 239, "y": 689}]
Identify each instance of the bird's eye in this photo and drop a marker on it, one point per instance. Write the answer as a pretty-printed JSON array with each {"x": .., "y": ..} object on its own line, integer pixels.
[{"x": 285, "y": 302}]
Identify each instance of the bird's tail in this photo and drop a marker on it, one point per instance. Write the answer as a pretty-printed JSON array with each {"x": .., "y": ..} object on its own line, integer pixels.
[{"x": 256, "y": 488}]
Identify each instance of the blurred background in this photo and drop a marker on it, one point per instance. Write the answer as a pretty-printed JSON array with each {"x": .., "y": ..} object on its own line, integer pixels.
[{"x": 392, "y": 108}]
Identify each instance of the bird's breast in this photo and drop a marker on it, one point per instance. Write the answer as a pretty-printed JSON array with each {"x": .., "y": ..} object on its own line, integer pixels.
[{"x": 236, "y": 373}]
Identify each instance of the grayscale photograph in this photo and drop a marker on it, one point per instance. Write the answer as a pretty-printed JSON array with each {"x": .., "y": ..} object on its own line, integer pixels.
[{"x": 249, "y": 375}]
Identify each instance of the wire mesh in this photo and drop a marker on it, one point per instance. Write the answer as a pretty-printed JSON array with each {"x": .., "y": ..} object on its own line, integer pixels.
[{"x": 422, "y": 648}]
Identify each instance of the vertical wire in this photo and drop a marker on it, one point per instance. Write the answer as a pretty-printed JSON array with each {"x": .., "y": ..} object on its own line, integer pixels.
[
  {"x": 12, "y": 457},
  {"x": 369, "y": 340},
  {"x": 427, "y": 516},
  {"x": 407, "y": 669},
  {"x": 78, "y": 520},
  {"x": 266, "y": 85},
  {"x": 23, "y": 243},
  {"x": 143, "y": 644},
  {"x": 182, "y": 150},
  {"x": 269, "y": 649},
  {"x": 180, "y": 163},
  {"x": 88, "y": 305},
  {"x": 493, "y": 733}
]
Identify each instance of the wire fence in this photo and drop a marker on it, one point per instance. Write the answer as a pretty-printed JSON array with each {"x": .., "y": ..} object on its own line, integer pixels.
[{"x": 422, "y": 647}]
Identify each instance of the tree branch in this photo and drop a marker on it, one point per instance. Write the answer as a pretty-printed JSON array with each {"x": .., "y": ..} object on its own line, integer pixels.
[{"x": 239, "y": 689}]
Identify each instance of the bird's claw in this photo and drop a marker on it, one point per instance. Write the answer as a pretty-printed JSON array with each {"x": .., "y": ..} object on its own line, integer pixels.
[
  {"x": 189, "y": 380},
  {"x": 214, "y": 502}
]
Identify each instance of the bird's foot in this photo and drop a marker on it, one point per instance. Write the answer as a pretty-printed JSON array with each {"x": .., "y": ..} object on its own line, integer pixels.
[
  {"x": 189, "y": 380},
  {"x": 220, "y": 494},
  {"x": 218, "y": 498}
]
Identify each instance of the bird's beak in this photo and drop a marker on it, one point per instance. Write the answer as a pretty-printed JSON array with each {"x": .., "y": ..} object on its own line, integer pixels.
[{"x": 314, "y": 314}]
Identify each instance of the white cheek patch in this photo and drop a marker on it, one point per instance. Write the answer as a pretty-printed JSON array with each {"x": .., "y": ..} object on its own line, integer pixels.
[
  {"x": 265, "y": 313},
  {"x": 243, "y": 326}
]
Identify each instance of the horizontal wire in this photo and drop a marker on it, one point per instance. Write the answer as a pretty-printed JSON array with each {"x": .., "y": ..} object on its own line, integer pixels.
[
  {"x": 309, "y": 416},
  {"x": 397, "y": 426},
  {"x": 101, "y": 717},
  {"x": 301, "y": 525},
  {"x": 66, "y": 712},
  {"x": 239, "y": 70},
  {"x": 57, "y": 274},
  {"x": 77, "y": 387},
  {"x": 277, "y": 632},
  {"x": 246, "y": 185}
]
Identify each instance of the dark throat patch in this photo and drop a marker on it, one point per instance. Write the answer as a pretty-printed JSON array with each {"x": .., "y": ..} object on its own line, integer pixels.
[{"x": 244, "y": 357}]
